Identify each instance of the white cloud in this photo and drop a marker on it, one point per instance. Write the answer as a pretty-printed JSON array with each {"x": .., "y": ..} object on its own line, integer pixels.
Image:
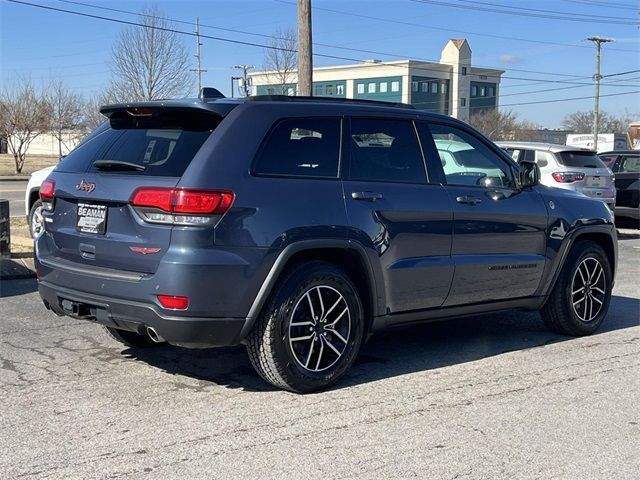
[{"x": 506, "y": 58}]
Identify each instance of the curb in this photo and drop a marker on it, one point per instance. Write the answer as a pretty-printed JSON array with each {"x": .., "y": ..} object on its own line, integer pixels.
[{"x": 14, "y": 178}]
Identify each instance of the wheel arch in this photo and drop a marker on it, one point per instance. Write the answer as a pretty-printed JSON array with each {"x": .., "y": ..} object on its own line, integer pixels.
[{"x": 348, "y": 255}]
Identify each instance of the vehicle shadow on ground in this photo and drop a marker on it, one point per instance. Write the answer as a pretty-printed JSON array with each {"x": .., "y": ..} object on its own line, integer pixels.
[
  {"x": 393, "y": 353},
  {"x": 11, "y": 287}
]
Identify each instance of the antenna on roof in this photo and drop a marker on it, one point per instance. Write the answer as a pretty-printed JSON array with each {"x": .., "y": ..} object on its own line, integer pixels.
[{"x": 210, "y": 93}]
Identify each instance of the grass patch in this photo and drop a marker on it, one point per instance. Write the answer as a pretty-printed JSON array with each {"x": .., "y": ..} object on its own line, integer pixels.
[{"x": 31, "y": 164}]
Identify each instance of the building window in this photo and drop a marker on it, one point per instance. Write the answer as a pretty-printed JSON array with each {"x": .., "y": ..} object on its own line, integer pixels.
[
  {"x": 463, "y": 102},
  {"x": 483, "y": 77},
  {"x": 371, "y": 88},
  {"x": 291, "y": 91},
  {"x": 271, "y": 91},
  {"x": 395, "y": 86},
  {"x": 424, "y": 87},
  {"x": 443, "y": 89},
  {"x": 474, "y": 91},
  {"x": 464, "y": 70},
  {"x": 434, "y": 87},
  {"x": 492, "y": 92},
  {"x": 318, "y": 90},
  {"x": 329, "y": 89},
  {"x": 414, "y": 86},
  {"x": 383, "y": 87},
  {"x": 340, "y": 89},
  {"x": 483, "y": 92},
  {"x": 361, "y": 88}
]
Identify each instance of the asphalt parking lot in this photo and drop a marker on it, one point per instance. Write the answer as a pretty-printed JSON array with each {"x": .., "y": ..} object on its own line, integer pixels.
[{"x": 485, "y": 397}]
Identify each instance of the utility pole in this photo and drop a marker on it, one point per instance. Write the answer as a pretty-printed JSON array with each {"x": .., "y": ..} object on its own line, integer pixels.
[
  {"x": 305, "y": 59},
  {"x": 198, "y": 69},
  {"x": 245, "y": 78},
  {"x": 598, "y": 41}
]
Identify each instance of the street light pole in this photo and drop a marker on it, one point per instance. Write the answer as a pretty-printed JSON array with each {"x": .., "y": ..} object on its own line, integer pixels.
[{"x": 598, "y": 41}]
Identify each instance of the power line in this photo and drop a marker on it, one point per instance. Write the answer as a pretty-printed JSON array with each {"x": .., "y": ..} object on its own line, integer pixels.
[
  {"x": 271, "y": 37},
  {"x": 435, "y": 68},
  {"x": 419, "y": 25},
  {"x": 525, "y": 14},
  {"x": 601, "y": 4}
]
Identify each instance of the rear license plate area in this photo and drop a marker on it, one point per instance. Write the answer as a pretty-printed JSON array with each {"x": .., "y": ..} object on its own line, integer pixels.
[
  {"x": 91, "y": 218},
  {"x": 595, "y": 181}
]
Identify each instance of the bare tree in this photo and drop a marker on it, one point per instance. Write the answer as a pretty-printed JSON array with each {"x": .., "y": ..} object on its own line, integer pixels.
[
  {"x": 281, "y": 59},
  {"x": 24, "y": 115},
  {"x": 92, "y": 117},
  {"x": 582, "y": 122},
  {"x": 501, "y": 125},
  {"x": 67, "y": 114},
  {"x": 149, "y": 62}
]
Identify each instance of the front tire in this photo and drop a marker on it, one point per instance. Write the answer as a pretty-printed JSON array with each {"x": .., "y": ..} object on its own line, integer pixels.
[
  {"x": 310, "y": 331},
  {"x": 36, "y": 221},
  {"x": 580, "y": 299}
]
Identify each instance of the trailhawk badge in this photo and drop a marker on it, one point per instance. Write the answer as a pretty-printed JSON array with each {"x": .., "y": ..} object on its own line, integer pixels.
[{"x": 86, "y": 186}]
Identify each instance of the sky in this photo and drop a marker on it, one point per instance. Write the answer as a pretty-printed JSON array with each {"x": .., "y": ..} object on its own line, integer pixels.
[{"x": 540, "y": 55}]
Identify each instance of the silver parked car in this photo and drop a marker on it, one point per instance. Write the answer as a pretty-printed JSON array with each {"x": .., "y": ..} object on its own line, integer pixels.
[{"x": 568, "y": 167}]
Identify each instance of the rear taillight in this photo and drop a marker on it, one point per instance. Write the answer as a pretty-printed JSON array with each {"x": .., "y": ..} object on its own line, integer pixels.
[
  {"x": 181, "y": 206},
  {"x": 47, "y": 194},
  {"x": 567, "y": 177},
  {"x": 174, "y": 302}
]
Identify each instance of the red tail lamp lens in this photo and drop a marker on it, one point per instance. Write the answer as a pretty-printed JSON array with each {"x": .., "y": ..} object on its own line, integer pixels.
[
  {"x": 173, "y": 302},
  {"x": 184, "y": 201},
  {"x": 47, "y": 190}
]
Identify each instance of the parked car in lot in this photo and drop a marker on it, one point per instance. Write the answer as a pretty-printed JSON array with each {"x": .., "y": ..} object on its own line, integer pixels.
[
  {"x": 626, "y": 167},
  {"x": 300, "y": 226},
  {"x": 571, "y": 168},
  {"x": 33, "y": 205}
]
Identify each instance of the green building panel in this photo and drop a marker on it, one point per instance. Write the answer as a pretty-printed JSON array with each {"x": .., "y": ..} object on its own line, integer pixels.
[
  {"x": 430, "y": 94},
  {"x": 385, "y": 89},
  {"x": 482, "y": 95},
  {"x": 330, "y": 88},
  {"x": 277, "y": 89}
]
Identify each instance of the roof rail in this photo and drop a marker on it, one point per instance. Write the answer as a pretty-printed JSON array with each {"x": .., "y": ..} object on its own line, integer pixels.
[{"x": 302, "y": 99}]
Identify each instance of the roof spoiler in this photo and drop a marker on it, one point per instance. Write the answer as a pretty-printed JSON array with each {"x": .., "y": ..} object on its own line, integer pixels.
[{"x": 210, "y": 93}]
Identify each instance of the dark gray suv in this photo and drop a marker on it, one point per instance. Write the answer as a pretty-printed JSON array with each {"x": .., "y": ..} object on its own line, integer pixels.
[{"x": 299, "y": 226}]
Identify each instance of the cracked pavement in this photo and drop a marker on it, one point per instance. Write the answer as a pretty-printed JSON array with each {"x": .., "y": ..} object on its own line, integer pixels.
[{"x": 484, "y": 397}]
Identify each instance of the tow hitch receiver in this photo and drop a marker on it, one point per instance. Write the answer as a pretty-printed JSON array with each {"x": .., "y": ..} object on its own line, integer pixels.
[{"x": 75, "y": 309}]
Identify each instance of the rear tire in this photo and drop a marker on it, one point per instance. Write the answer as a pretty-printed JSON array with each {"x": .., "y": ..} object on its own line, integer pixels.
[
  {"x": 310, "y": 330},
  {"x": 580, "y": 299},
  {"x": 131, "y": 339}
]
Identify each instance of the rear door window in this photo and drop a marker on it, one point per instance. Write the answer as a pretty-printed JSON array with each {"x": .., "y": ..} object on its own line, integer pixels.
[
  {"x": 579, "y": 159},
  {"x": 160, "y": 146},
  {"x": 385, "y": 150},
  {"x": 301, "y": 147},
  {"x": 630, "y": 164}
]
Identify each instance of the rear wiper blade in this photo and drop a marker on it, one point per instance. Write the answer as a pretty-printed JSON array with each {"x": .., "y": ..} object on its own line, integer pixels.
[{"x": 118, "y": 165}]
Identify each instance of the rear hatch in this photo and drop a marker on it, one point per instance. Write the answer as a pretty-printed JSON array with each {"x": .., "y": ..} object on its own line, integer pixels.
[
  {"x": 92, "y": 220},
  {"x": 597, "y": 180}
]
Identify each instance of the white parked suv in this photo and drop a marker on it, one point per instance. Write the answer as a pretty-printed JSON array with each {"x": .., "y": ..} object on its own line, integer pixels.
[
  {"x": 565, "y": 166},
  {"x": 33, "y": 206}
]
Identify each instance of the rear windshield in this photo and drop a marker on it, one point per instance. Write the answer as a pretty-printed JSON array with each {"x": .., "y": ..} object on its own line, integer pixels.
[
  {"x": 161, "y": 146},
  {"x": 580, "y": 159}
]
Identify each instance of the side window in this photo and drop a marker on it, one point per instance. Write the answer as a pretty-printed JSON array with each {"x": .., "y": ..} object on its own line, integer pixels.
[
  {"x": 513, "y": 153},
  {"x": 385, "y": 150},
  {"x": 543, "y": 158},
  {"x": 467, "y": 161},
  {"x": 630, "y": 163},
  {"x": 301, "y": 147}
]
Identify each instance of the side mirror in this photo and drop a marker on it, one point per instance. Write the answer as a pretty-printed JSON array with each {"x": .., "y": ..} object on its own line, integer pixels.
[{"x": 529, "y": 174}]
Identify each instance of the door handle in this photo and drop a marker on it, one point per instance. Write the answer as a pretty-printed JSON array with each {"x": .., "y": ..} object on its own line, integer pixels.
[
  {"x": 369, "y": 196},
  {"x": 468, "y": 200}
]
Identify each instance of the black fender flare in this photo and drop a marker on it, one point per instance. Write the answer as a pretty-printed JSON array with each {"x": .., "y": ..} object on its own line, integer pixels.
[{"x": 368, "y": 257}]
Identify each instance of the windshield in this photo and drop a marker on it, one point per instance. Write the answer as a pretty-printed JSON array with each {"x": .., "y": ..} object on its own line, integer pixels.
[{"x": 584, "y": 159}]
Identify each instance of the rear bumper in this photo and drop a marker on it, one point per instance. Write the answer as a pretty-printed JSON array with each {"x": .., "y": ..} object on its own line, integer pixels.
[{"x": 137, "y": 316}]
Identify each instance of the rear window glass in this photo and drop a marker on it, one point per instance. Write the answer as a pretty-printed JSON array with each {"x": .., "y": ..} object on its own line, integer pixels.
[
  {"x": 301, "y": 147},
  {"x": 579, "y": 159},
  {"x": 158, "y": 147}
]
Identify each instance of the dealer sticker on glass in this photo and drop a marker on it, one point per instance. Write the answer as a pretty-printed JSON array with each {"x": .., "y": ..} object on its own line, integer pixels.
[{"x": 92, "y": 218}]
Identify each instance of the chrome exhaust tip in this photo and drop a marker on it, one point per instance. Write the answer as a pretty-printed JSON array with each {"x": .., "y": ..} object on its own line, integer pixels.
[{"x": 153, "y": 335}]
